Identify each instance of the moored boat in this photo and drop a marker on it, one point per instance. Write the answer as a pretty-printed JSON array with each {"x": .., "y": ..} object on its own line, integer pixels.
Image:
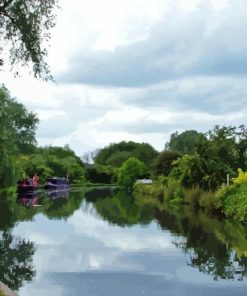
[
  {"x": 56, "y": 183},
  {"x": 25, "y": 186}
]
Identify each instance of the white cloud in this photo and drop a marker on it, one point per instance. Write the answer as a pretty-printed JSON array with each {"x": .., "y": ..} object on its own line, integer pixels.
[{"x": 49, "y": 114}]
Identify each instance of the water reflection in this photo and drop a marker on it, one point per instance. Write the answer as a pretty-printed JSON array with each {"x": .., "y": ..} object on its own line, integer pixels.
[
  {"x": 16, "y": 264},
  {"x": 31, "y": 200},
  {"x": 59, "y": 193},
  {"x": 114, "y": 229},
  {"x": 217, "y": 248},
  {"x": 16, "y": 253}
]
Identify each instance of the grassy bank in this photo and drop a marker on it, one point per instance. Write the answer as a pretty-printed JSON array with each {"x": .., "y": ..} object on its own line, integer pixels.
[{"x": 229, "y": 201}]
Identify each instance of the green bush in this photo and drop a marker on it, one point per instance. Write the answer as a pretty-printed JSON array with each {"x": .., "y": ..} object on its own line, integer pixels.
[
  {"x": 129, "y": 172},
  {"x": 234, "y": 201}
]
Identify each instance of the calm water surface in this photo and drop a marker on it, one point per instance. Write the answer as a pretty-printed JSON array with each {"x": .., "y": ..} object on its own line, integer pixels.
[{"x": 103, "y": 242}]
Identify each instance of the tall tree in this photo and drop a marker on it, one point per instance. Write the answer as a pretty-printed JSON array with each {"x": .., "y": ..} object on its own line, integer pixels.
[
  {"x": 184, "y": 143},
  {"x": 17, "y": 129},
  {"x": 26, "y": 25}
]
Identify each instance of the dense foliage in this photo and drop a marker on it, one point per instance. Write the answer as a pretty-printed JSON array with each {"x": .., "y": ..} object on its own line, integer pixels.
[
  {"x": 163, "y": 163},
  {"x": 116, "y": 154},
  {"x": 184, "y": 143},
  {"x": 100, "y": 174},
  {"x": 20, "y": 157},
  {"x": 52, "y": 161},
  {"x": 17, "y": 132},
  {"x": 199, "y": 178}
]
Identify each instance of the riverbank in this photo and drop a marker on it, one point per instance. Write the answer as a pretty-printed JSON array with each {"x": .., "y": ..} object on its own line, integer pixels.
[{"x": 229, "y": 201}]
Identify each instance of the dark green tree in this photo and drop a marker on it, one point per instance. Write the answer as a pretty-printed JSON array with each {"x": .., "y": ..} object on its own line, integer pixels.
[
  {"x": 26, "y": 25},
  {"x": 100, "y": 174},
  {"x": 118, "y": 158},
  {"x": 163, "y": 163},
  {"x": 184, "y": 143},
  {"x": 242, "y": 147},
  {"x": 116, "y": 154}
]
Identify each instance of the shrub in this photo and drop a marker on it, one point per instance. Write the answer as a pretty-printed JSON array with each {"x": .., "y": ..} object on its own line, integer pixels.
[
  {"x": 234, "y": 201},
  {"x": 129, "y": 172},
  {"x": 241, "y": 178}
]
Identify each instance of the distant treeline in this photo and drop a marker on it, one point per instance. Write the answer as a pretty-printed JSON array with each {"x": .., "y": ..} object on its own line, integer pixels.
[{"x": 189, "y": 160}]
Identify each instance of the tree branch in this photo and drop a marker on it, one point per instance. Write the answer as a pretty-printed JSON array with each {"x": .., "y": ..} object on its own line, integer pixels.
[{"x": 5, "y": 5}]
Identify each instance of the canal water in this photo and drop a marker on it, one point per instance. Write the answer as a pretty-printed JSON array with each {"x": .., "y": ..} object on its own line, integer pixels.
[{"x": 108, "y": 243}]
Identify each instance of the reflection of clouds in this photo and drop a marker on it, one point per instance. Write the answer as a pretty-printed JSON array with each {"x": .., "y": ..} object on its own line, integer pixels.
[
  {"x": 85, "y": 251},
  {"x": 41, "y": 288},
  {"x": 95, "y": 261},
  {"x": 39, "y": 238},
  {"x": 135, "y": 238},
  {"x": 85, "y": 242}
]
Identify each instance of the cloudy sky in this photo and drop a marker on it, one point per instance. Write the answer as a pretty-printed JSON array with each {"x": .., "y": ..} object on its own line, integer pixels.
[{"x": 139, "y": 70}]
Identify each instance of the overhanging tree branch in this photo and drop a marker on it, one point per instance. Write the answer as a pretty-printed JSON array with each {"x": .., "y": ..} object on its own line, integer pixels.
[
  {"x": 5, "y": 5},
  {"x": 26, "y": 24}
]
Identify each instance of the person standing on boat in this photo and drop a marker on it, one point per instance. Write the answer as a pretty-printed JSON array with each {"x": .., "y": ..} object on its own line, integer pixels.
[{"x": 35, "y": 180}]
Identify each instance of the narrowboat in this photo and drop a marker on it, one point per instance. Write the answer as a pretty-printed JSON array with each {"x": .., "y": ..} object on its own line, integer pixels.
[
  {"x": 56, "y": 183},
  {"x": 25, "y": 186}
]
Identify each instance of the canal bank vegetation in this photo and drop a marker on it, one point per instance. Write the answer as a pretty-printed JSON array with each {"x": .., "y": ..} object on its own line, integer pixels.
[{"x": 211, "y": 175}]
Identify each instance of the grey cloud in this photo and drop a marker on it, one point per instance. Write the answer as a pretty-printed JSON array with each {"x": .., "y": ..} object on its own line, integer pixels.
[
  {"x": 177, "y": 122},
  {"x": 181, "y": 46},
  {"x": 209, "y": 94}
]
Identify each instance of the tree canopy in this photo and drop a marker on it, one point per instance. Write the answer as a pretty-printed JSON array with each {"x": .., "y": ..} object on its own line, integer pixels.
[
  {"x": 116, "y": 154},
  {"x": 26, "y": 24},
  {"x": 184, "y": 143},
  {"x": 163, "y": 163}
]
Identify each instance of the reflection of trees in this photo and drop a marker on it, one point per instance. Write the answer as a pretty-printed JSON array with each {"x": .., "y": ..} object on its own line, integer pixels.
[
  {"x": 15, "y": 253},
  {"x": 94, "y": 194},
  {"x": 11, "y": 213},
  {"x": 225, "y": 265},
  {"x": 122, "y": 210},
  {"x": 6, "y": 213},
  {"x": 62, "y": 208},
  {"x": 213, "y": 246},
  {"x": 16, "y": 263}
]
